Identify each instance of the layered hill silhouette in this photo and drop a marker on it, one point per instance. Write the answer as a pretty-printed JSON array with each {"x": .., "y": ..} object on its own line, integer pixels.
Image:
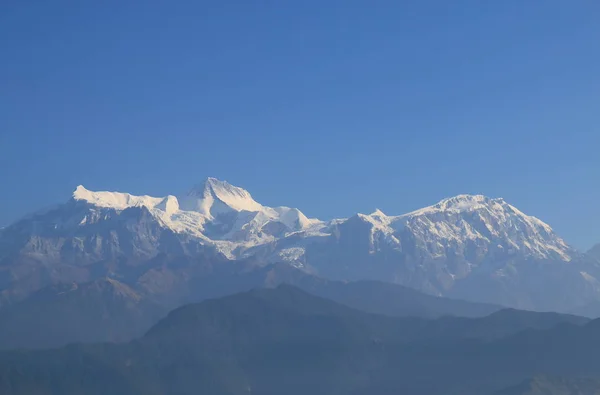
[
  {"x": 284, "y": 340},
  {"x": 108, "y": 310}
]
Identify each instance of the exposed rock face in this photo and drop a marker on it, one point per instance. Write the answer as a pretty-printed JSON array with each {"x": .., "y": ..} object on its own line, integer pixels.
[{"x": 469, "y": 246}]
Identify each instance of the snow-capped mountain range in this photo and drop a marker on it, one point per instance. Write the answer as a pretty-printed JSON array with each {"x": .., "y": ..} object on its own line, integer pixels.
[
  {"x": 227, "y": 216},
  {"x": 215, "y": 212},
  {"x": 470, "y": 246}
]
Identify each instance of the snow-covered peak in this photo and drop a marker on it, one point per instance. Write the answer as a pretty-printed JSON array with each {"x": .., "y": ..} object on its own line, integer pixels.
[
  {"x": 497, "y": 207},
  {"x": 213, "y": 197},
  {"x": 214, "y": 211},
  {"x": 293, "y": 218},
  {"x": 489, "y": 220},
  {"x": 461, "y": 203},
  {"x": 116, "y": 200},
  {"x": 378, "y": 213}
]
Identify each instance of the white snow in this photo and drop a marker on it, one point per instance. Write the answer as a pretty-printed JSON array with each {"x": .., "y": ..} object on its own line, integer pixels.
[
  {"x": 116, "y": 200},
  {"x": 461, "y": 218},
  {"x": 211, "y": 202},
  {"x": 214, "y": 197},
  {"x": 291, "y": 254},
  {"x": 243, "y": 224},
  {"x": 458, "y": 204}
]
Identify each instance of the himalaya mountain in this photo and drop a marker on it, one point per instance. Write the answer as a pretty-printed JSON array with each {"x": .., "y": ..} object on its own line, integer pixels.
[{"x": 469, "y": 246}]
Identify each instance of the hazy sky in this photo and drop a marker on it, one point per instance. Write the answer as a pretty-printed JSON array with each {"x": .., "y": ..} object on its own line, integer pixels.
[{"x": 330, "y": 106}]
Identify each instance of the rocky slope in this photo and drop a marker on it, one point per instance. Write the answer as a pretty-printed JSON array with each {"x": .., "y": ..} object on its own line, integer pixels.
[{"x": 469, "y": 246}]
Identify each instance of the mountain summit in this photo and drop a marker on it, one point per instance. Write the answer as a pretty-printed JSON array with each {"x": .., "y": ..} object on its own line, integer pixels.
[
  {"x": 467, "y": 246},
  {"x": 493, "y": 221},
  {"x": 201, "y": 198},
  {"x": 213, "y": 197}
]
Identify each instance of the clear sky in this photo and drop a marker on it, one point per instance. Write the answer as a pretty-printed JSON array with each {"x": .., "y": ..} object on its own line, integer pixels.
[{"x": 334, "y": 107}]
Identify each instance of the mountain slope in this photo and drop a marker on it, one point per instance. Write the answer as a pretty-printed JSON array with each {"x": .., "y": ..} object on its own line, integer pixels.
[
  {"x": 284, "y": 340},
  {"x": 78, "y": 242},
  {"x": 374, "y": 296},
  {"x": 108, "y": 310},
  {"x": 103, "y": 310},
  {"x": 212, "y": 211},
  {"x": 255, "y": 306},
  {"x": 468, "y": 247}
]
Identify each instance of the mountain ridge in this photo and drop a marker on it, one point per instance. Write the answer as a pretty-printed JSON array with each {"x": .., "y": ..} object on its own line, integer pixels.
[
  {"x": 284, "y": 340},
  {"x": 238, "y": 199},
  {"x": 469, "y": 246},
  {"x": 106, "y": 309}
]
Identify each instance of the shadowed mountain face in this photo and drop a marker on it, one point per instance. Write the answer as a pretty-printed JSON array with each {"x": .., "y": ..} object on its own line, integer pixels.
[
  {"x": 370, "y": 296},
  {"x": 103, "y": 310},
  {"x": 79, "y": 243},
  {"x": 283, "y": 340},
  {"x": 109, "y": 310}
]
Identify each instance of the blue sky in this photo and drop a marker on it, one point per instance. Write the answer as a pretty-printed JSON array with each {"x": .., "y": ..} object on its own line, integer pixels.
[{"x": 330, "y": 106}]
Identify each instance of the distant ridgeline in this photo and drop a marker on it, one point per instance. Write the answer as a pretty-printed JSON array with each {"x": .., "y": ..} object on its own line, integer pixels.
[
  {"x": 286, "y": 341},
  {"x": 116, "y": 263}
]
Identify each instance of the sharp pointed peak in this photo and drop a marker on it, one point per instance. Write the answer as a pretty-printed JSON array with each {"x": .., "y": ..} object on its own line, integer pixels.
[
  {"x": 82, "y": 193},
  {"x": 213, "y": 189},
  {"x": 214, "y": 181},
  {"x": 212, "y": 184},
  {"x": 378, "y": 213}
]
